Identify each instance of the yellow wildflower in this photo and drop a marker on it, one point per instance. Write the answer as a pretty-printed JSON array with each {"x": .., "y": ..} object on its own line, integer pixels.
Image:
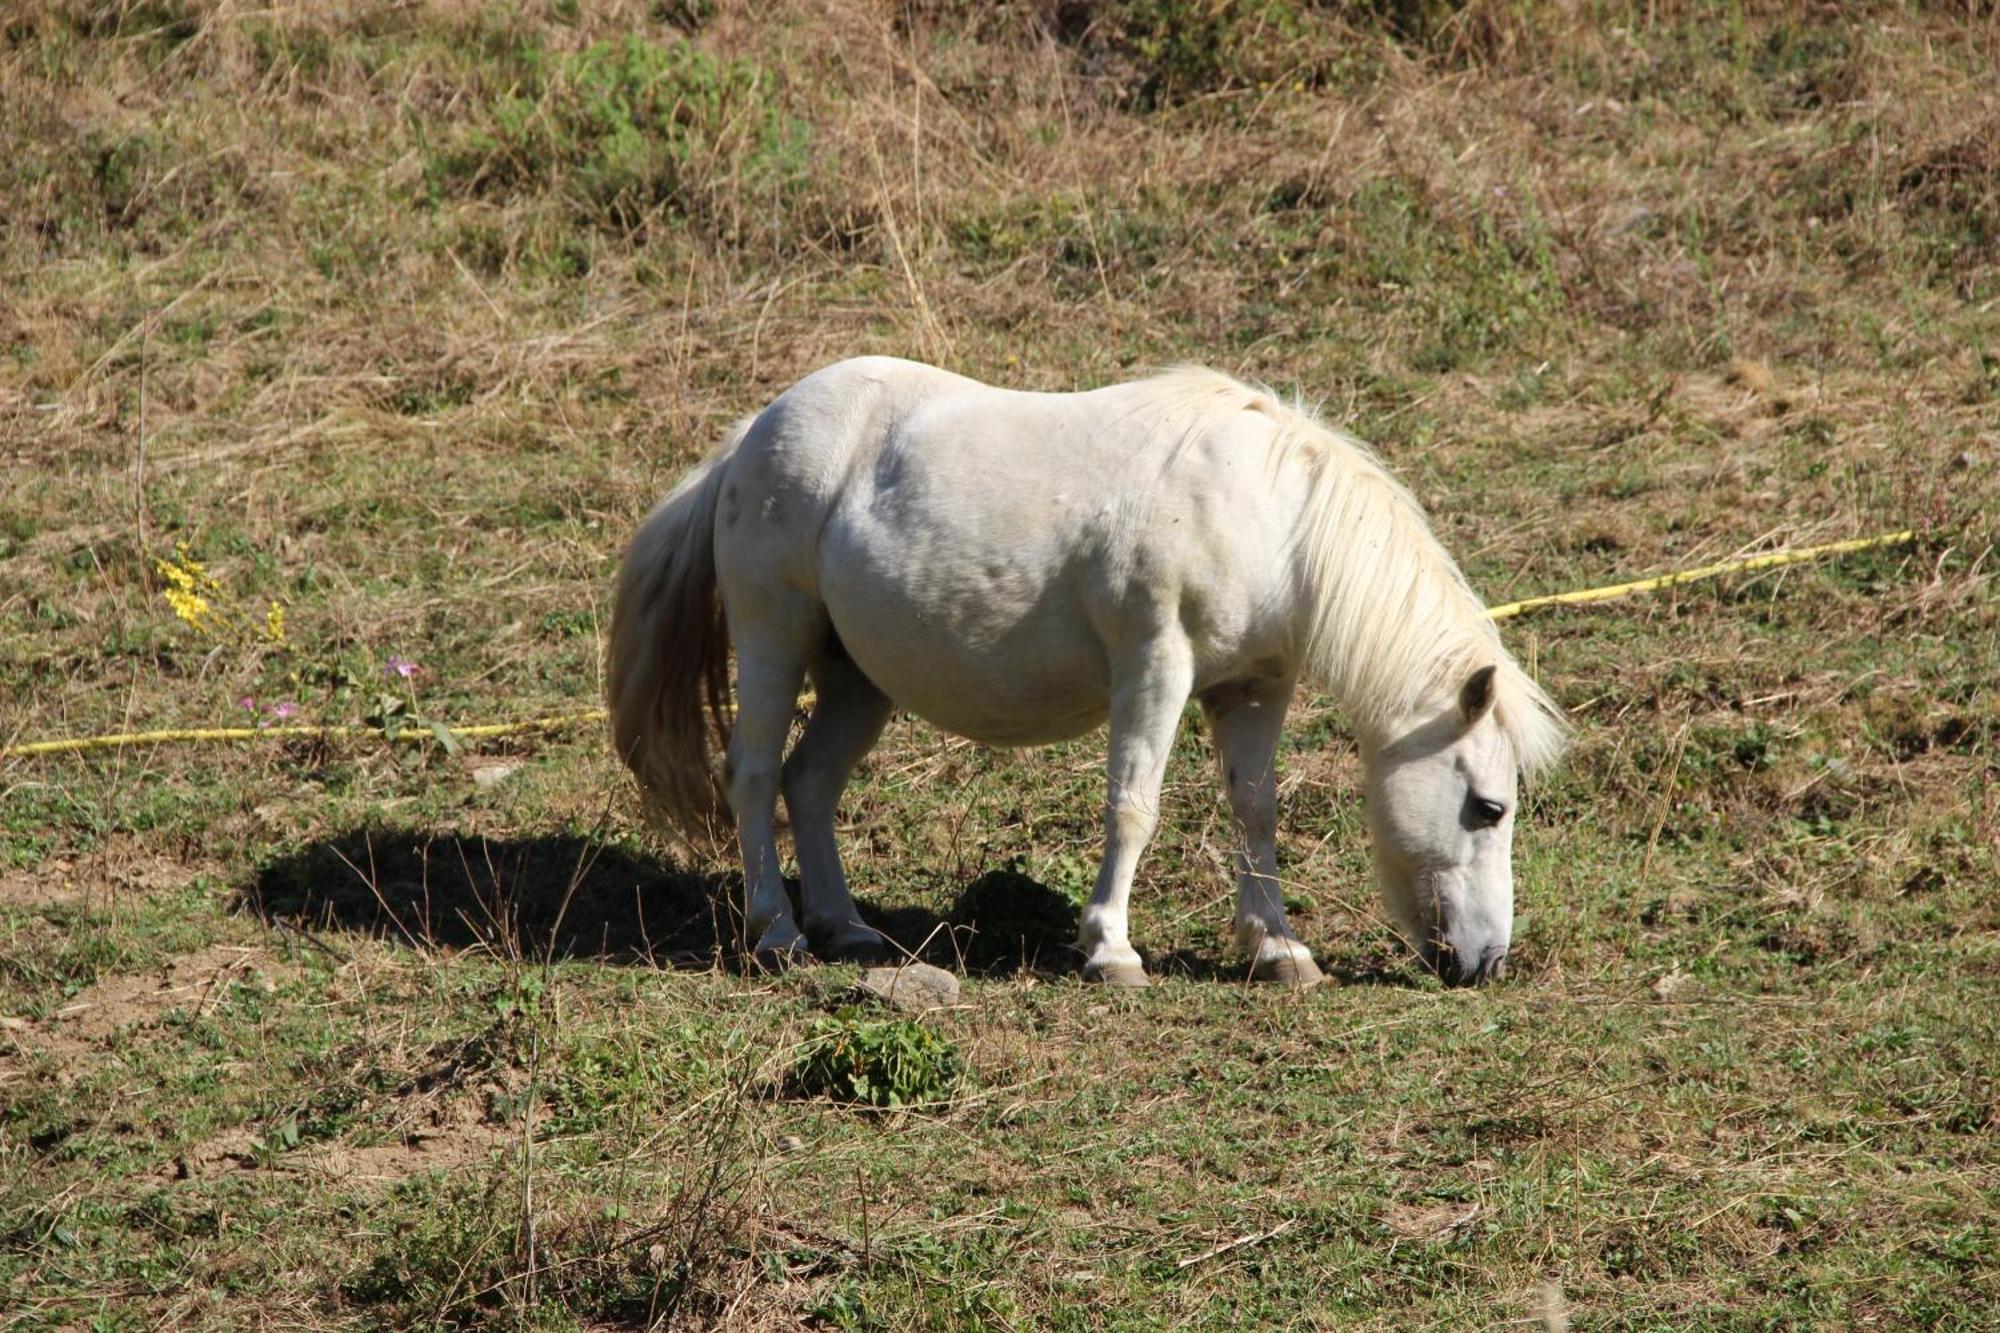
[
  {"x": 187, "y": 585},
  {"x": 191, "y": 607}
]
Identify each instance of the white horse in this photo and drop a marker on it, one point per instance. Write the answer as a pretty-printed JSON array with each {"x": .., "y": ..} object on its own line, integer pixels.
[{"x": 1016, "y": 567}]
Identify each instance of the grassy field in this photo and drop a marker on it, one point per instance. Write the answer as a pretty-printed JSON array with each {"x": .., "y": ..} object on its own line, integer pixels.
[{"x": 397, "y": 316}]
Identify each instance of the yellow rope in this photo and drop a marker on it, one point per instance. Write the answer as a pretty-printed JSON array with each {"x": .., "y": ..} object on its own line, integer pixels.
[
  {"x": 1748, "y": 563},
  {"x": 413, "y": 731},
  {"x": 421, "y": 731}
]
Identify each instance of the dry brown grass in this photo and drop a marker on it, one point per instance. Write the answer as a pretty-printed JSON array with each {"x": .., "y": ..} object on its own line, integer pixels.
[{"x": 1617, "y": 288}]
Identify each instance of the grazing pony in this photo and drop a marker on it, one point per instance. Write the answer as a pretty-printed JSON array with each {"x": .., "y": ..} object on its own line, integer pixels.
[{"x": 1017, "y": 567}]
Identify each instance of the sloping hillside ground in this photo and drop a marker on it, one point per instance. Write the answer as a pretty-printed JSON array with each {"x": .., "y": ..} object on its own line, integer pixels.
[{"x": 398, "y": 316}]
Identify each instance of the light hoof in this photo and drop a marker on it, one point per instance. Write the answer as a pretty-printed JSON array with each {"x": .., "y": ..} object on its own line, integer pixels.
[
  {"x": 1117, "y": 974},
  {"x": 1288, "y": 970}
]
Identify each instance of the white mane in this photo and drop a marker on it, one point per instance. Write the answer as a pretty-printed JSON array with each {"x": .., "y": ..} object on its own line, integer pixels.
[{"x": 1394, "y": 623}]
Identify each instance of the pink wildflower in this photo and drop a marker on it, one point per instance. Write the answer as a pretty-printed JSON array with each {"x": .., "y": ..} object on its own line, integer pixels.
[{"x": 400, "y": 666}]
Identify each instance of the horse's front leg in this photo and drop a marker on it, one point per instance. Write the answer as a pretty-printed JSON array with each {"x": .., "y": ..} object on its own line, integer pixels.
[
  {"x": 1247, "y": 722},
  {"x": 1147, "y": 695}
]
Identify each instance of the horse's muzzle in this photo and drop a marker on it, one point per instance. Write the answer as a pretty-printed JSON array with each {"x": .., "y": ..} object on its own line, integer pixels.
[{"x": 1444, "y": 960}]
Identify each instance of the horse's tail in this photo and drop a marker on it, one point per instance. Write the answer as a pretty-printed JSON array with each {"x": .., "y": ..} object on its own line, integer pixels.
[{"x": 667, "y": 678}]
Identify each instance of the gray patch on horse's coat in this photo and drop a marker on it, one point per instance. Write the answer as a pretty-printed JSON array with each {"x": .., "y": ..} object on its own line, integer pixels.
[
  {"x": 732, "y": 506},
  {"x": 890, "y": 469},
  {"x": 1233, "y": 694}
]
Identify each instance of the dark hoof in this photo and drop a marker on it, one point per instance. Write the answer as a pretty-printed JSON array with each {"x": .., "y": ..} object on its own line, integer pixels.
[
  {"x": 861, "y": 944},
  {"x": 773, "y": 961}
]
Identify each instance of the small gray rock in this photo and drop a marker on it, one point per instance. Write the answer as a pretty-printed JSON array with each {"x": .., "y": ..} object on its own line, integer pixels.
[
  {"x": 493, "y": 774},
  {"x": 914, "y": 988},
  {"x": 1635, "y": 222}
]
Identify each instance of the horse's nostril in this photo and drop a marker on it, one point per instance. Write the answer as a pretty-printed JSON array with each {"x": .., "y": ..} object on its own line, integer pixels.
[
  {"x": 1491, "y": 967},
  {"x": 1442, "y": 959}
]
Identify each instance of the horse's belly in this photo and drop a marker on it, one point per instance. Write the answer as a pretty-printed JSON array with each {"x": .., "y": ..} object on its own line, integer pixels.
[
  {"x": 988, "y": 710},
  {"x": 979, "y": 644},
  {"x": 1030, "y": 690}
]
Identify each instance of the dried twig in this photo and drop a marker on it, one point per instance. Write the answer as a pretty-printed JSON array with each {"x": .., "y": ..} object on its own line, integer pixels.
[{"x": 1254, "y": 1238}]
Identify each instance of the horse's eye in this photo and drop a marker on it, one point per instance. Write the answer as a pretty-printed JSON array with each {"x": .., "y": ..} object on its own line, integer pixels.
[{"x": 1487, "y": 813}]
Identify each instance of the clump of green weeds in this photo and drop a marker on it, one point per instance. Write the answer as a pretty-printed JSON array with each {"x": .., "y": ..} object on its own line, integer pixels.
[
  {"x": 626, "y": 130},
  {"x": 886, "y": 1062}
]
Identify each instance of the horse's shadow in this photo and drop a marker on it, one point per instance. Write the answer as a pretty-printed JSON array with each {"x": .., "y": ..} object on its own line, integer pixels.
[{"x": 562, "y": 896}]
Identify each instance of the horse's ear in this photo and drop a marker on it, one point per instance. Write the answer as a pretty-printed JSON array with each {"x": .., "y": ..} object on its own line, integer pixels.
[{"x": 1475, "y": 697}]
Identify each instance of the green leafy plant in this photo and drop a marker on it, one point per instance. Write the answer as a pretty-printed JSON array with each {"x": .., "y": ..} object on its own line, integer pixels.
[{"x": 888, "y": 1062}]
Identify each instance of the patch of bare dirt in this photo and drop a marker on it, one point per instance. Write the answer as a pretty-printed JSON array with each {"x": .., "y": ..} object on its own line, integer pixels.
[
  {"x": 134, "y": 1001},
  {"x": 95, "y": 877},
  {"x": 459, "y": 1138},
  {"x": 44, "y": 885},
  {"x": 1742, "y": 403},
  {"x": 448, "y": 1135}
]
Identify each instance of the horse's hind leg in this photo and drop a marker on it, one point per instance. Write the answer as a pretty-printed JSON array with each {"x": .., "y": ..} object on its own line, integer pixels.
[
  {"x": 771, "y": 652},
  {"x": 846, "y": 720},
  {"x": 1146, "y": 701},
  {"x": 1246, "y": 722}
]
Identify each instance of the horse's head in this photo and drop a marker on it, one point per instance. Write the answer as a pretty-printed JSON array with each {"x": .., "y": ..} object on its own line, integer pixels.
[{"x": 1441, "y": 794}]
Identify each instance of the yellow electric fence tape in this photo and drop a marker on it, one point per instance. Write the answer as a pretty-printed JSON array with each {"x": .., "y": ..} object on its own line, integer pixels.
[
  {"x": 418, "y": 732},
  {"x": 409, "y": 731},
  {"x": 1747, "y": 564}
]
